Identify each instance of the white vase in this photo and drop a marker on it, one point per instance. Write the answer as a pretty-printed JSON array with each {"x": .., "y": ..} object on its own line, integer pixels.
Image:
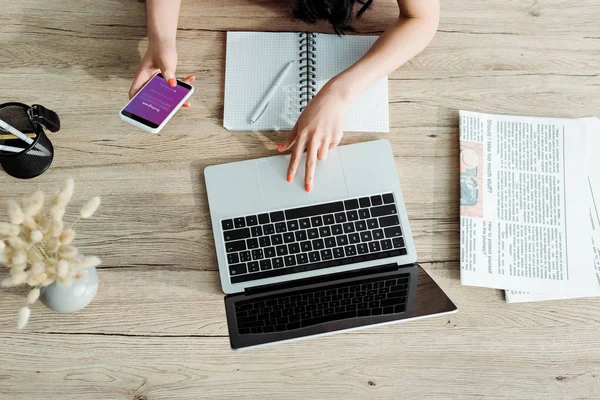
[{"x": 66, "y": 299}]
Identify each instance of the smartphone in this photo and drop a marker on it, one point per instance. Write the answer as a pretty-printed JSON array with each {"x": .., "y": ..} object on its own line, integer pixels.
[{"x": 154, "y": 105}]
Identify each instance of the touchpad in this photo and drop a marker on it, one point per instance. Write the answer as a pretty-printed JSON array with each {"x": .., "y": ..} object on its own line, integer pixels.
[{"x": 277, "y": 192}]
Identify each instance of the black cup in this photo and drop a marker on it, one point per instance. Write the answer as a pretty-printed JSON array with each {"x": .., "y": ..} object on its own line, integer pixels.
[{"x": 35, "y": 158}]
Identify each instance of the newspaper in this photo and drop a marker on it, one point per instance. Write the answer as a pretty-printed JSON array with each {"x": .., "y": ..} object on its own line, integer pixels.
[
  {"x": 513, "y": 296},
  {"x": 524, "y": 204}
]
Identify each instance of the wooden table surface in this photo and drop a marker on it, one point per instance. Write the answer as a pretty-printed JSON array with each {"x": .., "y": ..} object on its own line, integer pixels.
[{"x": 157, "y": 330}]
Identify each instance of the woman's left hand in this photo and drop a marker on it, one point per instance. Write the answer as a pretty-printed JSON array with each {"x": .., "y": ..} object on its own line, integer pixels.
[{"x": 318, "y": 130}]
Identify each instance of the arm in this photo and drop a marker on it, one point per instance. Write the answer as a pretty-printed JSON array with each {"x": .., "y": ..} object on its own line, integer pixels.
[
  {"x": 161, "y": 55},
  {"x": 319, "y": 128}
]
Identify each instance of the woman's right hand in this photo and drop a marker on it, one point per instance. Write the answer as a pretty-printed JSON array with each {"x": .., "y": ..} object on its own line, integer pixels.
[{"x": 161, "y": 56}]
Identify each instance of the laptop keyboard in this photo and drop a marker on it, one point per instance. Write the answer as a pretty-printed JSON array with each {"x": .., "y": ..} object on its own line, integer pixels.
[
  {"x": 313, "y": 306},
  {"x": 308, "y": 238}
]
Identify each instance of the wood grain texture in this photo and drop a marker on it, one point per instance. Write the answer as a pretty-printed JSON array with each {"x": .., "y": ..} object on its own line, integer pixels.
[{"x": 157, "y": 330}]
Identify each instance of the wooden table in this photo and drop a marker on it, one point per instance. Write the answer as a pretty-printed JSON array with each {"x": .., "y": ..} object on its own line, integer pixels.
[{"x": 157, "y": 330}]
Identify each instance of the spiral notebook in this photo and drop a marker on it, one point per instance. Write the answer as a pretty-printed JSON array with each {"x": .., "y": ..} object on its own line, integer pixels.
[{"x": 255, "y": 60}]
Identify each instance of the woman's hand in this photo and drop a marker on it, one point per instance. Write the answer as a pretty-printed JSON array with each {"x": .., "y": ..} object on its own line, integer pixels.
[
  {"x": 318, "y": 130},
  {"x": 161, "y": 56}
]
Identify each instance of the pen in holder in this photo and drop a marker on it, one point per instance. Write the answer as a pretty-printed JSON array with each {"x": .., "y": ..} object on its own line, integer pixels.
[{"x": 25, "y": 150}]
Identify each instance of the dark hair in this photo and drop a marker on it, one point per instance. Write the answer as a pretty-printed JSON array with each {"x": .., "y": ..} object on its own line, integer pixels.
[{"x": 339, "y": 13}]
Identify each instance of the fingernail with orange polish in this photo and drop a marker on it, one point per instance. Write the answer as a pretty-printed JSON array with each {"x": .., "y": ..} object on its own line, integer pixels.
[
  {"x": 308, "y": 187},
  {"x": 280, "y": 147},
  {"x": 172, "y": 82},
  {"x": 192, "y": 79},
  {"x": 186, "y": 105},
  {"x": 289, "y": 177}
]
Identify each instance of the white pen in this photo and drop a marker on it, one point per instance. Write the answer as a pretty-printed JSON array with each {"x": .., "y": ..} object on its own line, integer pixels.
[
  {"x": 265, "y": 101},
  {"x": 11, "y": 149},
  {"x": 15, "y": 132}
]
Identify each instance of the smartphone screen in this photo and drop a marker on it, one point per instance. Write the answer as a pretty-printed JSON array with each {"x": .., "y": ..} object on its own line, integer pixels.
[{"x": 155, "y": 101}]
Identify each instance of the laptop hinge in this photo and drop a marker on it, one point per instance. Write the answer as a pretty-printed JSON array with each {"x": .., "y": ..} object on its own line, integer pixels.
[{"x": 321, "y": 278}]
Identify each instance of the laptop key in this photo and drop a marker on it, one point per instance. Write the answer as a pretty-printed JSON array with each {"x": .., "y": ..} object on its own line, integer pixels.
[
  {"x": 233, "y": 258},
  {"x": 288, "y": 237},
  {"x": 313, "y": 233},
  {"x": 326, "y": 254},
  {"x": 239, "y": 222},
  {"x": 364, "y": 313},
  {"x": 245, "y": 256},
  {"x": 277, "y": 239},
  {"x": 338, "y": 252},
  {"x": 376, "y": 200},
  {"x": 300, "y": 236},
  {"x": 372, "y": 223},
  {"x": 251, "y": 220},
  {"x": 292, "y": 225},
  {"x": 398, "y": 242},
  {"x": 352, "y": 215},
  {"x": 374, "y": 247},
  {"x": 294, "y": 248},
  {"x": 389, "y": 220},
  {"x": 238, "y": 245},
  {"x": 264, "y": 241},
  {"x": 386, "y": 244},
  {"x": 314, "y": 210},
  {"x": 328, "y": 219},
  {"x": 289, "y": 261},
  {"x": 263, "y": 219},
  {"x": 227, "y": 224},
  {"x": 337, "y": 229},
  {"x": 253, "y": 266},
  {"x": 318, "y": 244},
  {"x": 277, "y": 262},
  {"x": 383, "y": 210},
  {"x": 304, "y": 223},
  {"x": 252, "y": 243},
  {"x": 269, "y": 229},
  {"x": 348, "y": 227},
  {"x": 366, "y": 236},
  {"x": 329, "y": 242},
  {"x": 282, "y": 250},
  {"x": 362, "y": 248},
  {"x": 277, "y": 216},
  {"x": 237, "y": 269},
  {"x": 360, "y": 226},
  {"x": 256, "y": 231},
  {"x": 237, "y": 234},
  {"x": 393, "y": 231},
  {"x": 325, "y": 231},
  {"x": 306, "y": 246},
  {"x": 350, "y": 251},
  {"x": 316, "y": 221},
  {"x": 364, "y": 202},
  {"x": 351, "y": 204},
  {"x": 302, "y": 258},
  {"x": 257, "y": 254},
  {"x": 364, "y": 213},
  {"x": 388, "y": 198},
  {"x": 342, "y": 240},
  {"x": 280, "y": 227},
  {"x": 340, "y": 217},
  {"x": 377, "y": 234},
  {"x": 354, "y": 238},
  {"x": 314, "y": 256}
]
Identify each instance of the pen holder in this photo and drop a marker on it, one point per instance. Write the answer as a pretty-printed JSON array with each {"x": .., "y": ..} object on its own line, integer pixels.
[{"x": 26, "y": 161}]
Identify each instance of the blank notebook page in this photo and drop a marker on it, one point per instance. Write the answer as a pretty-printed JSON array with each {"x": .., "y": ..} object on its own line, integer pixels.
[
  {"x": 368, "y": 112},
  {"x": 254, "y": 61}
]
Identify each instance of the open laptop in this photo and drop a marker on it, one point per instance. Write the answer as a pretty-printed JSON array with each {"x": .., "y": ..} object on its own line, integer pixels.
[{"x": 296, "y": 263}]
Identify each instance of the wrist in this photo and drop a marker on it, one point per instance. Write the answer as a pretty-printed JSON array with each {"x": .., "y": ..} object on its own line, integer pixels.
[{"x": 341, "y": 88}]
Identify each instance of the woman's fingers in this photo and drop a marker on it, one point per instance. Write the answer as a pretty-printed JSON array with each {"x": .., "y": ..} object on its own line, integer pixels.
[
  {"x": 323, "y": 151},
  {"x": 311, "y": 163},
  {"x": 289, "y": 140},
  {"x": 295, "y": 160},
  {"x": 140, "y": 80}
]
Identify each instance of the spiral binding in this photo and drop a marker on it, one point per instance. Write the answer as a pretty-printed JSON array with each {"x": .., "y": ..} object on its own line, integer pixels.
[{"x": 307, "y": 55}]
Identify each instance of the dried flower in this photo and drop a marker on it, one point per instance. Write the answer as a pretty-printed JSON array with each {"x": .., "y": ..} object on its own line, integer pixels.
[
  {"x": 67, "y": 236},
  {"x": 36, "y": 236},
  {"x": 24, "y": 314},
  {"x": 9, "y": 229},
  {"x": 33, "y": 295},
  {"x": 91, "y": 261},
  {"x": 90, "y": 207},
  {"x": 38, "y": 250},
  {"x": 57, "y": 228},
  {"x": 15, "y": 213},
  {"x": 34, "y": 204}
]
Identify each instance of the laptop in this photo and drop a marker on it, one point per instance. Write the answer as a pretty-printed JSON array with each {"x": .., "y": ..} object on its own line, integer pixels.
[{"x": 296, "y": 264}]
